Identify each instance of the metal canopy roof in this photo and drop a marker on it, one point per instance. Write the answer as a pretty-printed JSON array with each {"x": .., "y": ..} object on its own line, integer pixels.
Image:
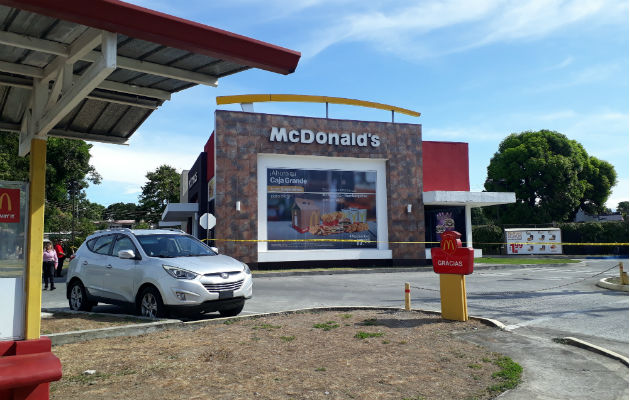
[{"x": 96, "y": 70}]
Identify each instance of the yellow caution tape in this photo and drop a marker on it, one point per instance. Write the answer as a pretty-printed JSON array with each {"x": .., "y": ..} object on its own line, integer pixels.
[{"x": 406, "y": 242}]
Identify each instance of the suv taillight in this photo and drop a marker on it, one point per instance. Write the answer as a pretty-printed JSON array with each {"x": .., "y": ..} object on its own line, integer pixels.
[{"x": 72, "y": 257}]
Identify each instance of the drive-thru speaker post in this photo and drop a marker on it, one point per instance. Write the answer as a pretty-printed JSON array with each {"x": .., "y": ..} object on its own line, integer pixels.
[{"x": 453, "y": 262}]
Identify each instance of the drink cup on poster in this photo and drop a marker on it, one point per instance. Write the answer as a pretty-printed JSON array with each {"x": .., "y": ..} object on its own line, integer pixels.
[{"x": 362, "y": 215}]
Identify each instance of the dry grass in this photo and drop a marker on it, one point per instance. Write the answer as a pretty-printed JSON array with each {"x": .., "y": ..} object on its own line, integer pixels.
[
  {"x": 68, "y": 322},
  {"x": 355, "y": 355}
]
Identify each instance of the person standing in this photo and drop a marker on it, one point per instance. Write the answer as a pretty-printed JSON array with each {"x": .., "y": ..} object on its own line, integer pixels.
[
  {"x": 49, "y": 265},
  {"x": 61, "y": 256}
]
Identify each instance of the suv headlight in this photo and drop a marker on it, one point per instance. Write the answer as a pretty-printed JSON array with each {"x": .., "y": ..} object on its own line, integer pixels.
[
  {"x": 246, "y": 269},
  {"x": 179, "y": 273}
]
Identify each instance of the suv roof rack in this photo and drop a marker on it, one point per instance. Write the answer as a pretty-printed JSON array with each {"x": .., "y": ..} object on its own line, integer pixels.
[{"x": 112, "y": 230}]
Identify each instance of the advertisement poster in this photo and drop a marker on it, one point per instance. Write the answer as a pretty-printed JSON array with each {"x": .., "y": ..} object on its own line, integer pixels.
[
  {"x": 335, "y": 207},
  {"x": 13, "y": 216},
  {"x": 533, "y": 241},
  {"x": 440, "y": 219}
]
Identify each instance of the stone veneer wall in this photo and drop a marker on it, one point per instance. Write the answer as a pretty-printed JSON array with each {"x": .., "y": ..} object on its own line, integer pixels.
[{"x": 240, "y": 136}]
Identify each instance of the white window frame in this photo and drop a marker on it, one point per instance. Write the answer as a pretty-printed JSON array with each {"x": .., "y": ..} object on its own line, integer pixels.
[{"x": 266, "y": 161}]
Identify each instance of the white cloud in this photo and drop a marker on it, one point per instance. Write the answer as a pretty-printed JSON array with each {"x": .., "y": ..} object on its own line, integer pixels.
[
  {"x": 561, "y": 65},
  {"x": 129, "y": 165},
  {"x": 406, "y": 30},
  {"x": 619, "y": 193}
]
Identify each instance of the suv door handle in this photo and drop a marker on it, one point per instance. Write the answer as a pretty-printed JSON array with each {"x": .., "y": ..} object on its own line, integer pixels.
[
  {"x": 109, "y": 266},
  {"x": 84, "y": 263}
]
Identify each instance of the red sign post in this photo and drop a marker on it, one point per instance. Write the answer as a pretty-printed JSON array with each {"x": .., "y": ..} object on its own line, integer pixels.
[{"x": 452, "y": 262}]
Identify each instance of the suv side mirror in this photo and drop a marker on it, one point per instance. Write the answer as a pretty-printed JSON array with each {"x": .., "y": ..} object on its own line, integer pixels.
[
  {"x": 216, "y": 250},
  {"x": 126, "y": 254}
]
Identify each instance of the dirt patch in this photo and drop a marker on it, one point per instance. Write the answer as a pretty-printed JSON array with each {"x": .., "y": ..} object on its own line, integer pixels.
[
  {"x": 317, "y": 355},
  {"x": 66, "y": 322}
]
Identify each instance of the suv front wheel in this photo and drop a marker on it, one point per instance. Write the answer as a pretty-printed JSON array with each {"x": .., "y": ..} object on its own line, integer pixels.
[
  {"x": 150, "y": 303},
  {"x": 78, "y": 300}
]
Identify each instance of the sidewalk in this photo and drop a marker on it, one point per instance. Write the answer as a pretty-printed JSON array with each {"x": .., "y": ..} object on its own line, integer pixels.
[{"x": 556, "y": 371}]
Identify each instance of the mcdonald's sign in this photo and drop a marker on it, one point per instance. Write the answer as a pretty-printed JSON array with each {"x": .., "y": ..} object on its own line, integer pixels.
[
  {"x": 451, "y": 257},
  {"x": 10, "y": 205}
]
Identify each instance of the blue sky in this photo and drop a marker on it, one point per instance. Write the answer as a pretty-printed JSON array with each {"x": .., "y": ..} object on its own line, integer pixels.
[{"x": 477, "y": 70}]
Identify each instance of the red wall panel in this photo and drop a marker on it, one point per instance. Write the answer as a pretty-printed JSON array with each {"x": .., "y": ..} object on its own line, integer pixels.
[{"x": 445, "y": 166}]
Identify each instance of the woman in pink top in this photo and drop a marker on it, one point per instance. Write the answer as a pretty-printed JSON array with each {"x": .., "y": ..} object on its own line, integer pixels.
[{"x": 49, "y": 265}]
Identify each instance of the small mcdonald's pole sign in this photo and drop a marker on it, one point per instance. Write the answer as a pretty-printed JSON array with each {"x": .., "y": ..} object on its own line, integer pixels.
[
  {"x": 451, "y": 257},
  {"x": 10, "y": 205}
]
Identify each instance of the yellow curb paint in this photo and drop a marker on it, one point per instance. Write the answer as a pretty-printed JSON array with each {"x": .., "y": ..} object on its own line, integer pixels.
[
  {"x": 453, "y": 297},
  {"x": 35, "y": 235}
]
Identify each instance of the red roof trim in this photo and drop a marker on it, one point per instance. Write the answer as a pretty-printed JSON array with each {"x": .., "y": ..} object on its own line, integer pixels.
[{"x": 141, "y": 23}]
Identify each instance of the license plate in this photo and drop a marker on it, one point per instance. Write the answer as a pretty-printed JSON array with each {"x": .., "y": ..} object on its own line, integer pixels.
[{"x": 226, "y": 294}]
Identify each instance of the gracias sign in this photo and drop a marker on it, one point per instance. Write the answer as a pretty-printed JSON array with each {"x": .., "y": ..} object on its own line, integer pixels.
[
  {"x": 451, "y": 257},
  {"x": 307, "y": 136}
]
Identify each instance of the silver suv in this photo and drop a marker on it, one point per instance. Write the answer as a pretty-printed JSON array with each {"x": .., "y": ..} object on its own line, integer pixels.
[{"x": 158, "y": 271}]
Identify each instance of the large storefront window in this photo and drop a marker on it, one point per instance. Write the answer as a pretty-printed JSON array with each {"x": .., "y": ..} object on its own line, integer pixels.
[{"x": 321, "y": 209}]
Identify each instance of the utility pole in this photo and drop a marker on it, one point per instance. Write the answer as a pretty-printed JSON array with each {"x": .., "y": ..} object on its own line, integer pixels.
[{"x": 73, "y": 192}]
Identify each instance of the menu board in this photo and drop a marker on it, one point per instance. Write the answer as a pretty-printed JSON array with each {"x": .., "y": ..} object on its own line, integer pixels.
[
  {"x": 311, "y": 209},
  {"x": 532, "y": 241}
]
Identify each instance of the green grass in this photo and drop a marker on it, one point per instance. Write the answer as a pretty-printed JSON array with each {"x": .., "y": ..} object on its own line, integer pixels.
[
  {"x": 509, "y": 375},
  {"x": 327, "y": 325},
  {"x": 474, "y": 366},
  {"x": 370, "y": 322},
  {"x": 287, "y": 338},
  {"x": 367, "y": 335},
  {"x": 320, "y": 369},
  {"x": 266, "y": 327},
  {"x": 517, "y": 261}
]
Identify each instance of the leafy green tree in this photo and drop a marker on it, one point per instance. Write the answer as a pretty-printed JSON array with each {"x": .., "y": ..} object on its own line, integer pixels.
[
  {"x": 118, "y": 211},
  {"x": 551, "y": 175},
  {"x": 67, "y": 165},
  {"x": 622, "y": 208},
  {"x": 162, "y": 188}
]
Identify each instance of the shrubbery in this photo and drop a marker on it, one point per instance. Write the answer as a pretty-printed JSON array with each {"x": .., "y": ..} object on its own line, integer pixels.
[{"x": 586, "y": 232}]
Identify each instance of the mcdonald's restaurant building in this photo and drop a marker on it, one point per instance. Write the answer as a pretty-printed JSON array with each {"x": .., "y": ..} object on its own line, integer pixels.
[{"x": 295, "y": 190}]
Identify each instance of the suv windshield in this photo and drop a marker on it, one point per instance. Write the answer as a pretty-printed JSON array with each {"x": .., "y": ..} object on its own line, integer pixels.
[{"x": 169, "y": 246}]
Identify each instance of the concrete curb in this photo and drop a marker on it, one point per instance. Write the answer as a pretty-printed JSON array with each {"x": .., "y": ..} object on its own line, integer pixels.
[
  {"x": 594, "y": 348},
  {"x": 141, "y": 329},
  {"x": 385, "y": 270},
  {"x": 612, "y": 286}
]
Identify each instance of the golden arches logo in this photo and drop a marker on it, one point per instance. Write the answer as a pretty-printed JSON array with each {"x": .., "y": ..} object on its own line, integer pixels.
[
  {"x": 448, "y": 245},
  {"x": 3, "y": 197}
]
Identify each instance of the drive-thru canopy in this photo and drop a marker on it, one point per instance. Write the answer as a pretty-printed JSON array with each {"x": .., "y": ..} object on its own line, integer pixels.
[{"x": 96, "y": 70}]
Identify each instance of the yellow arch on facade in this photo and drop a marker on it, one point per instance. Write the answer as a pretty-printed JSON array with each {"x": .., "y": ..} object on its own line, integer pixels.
[{"x": 304, "y": 98}]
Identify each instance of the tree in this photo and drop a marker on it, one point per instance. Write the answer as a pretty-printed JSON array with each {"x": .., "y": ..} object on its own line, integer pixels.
[
  {"x": 551, "y": 175},
  {"x": 67, "y": 165},
  {"x": 162, "y": 188},
  {"x": 622, "y": 208},
  {"x": 118, "y": 211}
]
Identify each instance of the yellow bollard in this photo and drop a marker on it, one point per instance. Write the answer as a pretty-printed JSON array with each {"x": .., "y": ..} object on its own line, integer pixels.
[
  {"x": 453, "y": 297},
  {"x": 623, "y": 276},
  {"x": 407, "y": 297}
]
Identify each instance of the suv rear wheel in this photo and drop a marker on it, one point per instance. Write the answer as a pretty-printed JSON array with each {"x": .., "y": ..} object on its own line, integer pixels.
[{"x": 150, "y": 303}]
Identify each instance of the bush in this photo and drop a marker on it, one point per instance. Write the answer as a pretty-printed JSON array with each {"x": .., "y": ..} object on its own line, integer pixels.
[
  {"x": 484, "y": 237},
  {"x": 594, "y": 232},
  {"x": 488, "y": 238}
]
